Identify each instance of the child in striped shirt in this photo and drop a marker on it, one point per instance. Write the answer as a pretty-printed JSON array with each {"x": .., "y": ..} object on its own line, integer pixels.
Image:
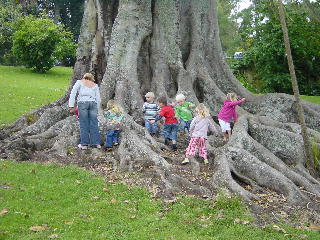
[{"x": 151, "y": 110}]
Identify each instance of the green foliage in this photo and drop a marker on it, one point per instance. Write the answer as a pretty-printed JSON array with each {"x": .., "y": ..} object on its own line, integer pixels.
[
  {"x": 262, "y": 40},
  {"x": 71, "y": 203},
  {"x": 22, "y": 90},
  {"x": 9, "y": 15},
  {"x": 38, "y": 43},
  {"x": 315, "y": 149},
  {"x": 227, "y": 25}
]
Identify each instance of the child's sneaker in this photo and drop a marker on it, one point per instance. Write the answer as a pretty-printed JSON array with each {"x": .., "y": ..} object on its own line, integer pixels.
[
  {"x": 167, "y": 141},
  {"x": 185, "y": 161},
  {"x": 82, "y": 147},
  {"x": 97, "y": 146},
  {"x": 108, "y": 149},
  {"x": 115, "y": 144},
  {"x": 206, "y": 161}
]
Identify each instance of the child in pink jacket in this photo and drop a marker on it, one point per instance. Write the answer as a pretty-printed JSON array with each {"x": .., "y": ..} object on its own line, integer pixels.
[{"x": 227, "y": 113}]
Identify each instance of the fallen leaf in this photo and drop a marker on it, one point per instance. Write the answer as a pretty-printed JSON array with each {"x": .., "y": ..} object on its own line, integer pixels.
[
  {"x": 245, "y": 222},
  {"x": 95, "y": 197},
  {"x": 68, "y": 222},
  {"x": 38, "y": 228},
  {"x": 4, "y": 211},
  {"x": 113, "y": 200},
  {"x": 132, "y": 217},
  {"x": 237, "y": 220},
  {"x": 53, "y": 236},
  {"x": 78, "y": 182},
  {"x": 106, "y": 190},
  {"x": 279, "y": 229},
  {"x": 303, "y": 236},
  {"x": 61, "y": 182}
]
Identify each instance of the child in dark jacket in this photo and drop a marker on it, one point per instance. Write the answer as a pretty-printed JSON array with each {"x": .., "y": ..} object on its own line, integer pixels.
[
  {"x": 199, "y": 128},
  {"x": 227, "y": 113},
  {"x": 171, "y": 125},
  {"x": 115, "y": 118}
]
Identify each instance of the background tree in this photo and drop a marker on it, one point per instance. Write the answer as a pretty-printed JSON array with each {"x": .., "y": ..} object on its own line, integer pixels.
[
  {"x": 9, "y": 15},
  {"x": 295, "y": 87},
  {"x": 38, "y": 43},
  {"x": 172, "y": 47},
  {"x": 265, "y": 60}
]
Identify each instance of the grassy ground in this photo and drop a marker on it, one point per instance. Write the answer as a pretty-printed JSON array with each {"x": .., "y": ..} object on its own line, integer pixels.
[
  {"x": 22, "y": 90},
  {"x": 48, "y": 201},
  {"x": 313, "y": 99}
]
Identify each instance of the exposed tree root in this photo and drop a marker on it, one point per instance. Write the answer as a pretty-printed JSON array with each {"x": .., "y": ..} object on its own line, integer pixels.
[{"x": 169, "y": 47}]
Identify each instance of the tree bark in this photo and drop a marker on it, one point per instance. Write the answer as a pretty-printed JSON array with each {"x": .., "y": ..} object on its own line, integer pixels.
[{"x": 170, "y": 47}]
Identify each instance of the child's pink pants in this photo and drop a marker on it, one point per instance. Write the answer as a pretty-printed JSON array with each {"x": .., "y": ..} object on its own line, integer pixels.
[{"x": 195, "y": 143}]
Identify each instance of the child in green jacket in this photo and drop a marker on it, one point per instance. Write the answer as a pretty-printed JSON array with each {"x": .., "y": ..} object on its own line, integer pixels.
[{"x": 184, "y": 112}]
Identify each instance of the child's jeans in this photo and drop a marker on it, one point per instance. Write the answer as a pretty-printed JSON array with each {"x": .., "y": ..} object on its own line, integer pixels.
[
  {"x": 194, "y": 144},
  {"x": 112, "y": 136},
  {"x": 184, "y": 125},
  {"x": 170, "y": 131},
  {"x": 152, "y": 127}
]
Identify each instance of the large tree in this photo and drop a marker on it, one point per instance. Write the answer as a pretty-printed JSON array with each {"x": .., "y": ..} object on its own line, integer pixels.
[{"x": 171, "y": 46}]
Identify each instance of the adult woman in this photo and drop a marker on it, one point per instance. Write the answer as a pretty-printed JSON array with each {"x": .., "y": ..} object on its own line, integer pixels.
[{"x": 88, "y": 102}]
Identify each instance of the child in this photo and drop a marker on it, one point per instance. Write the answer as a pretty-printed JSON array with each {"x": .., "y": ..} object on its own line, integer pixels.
[
  {"x": 184, "y": 112},
  {"x": 170, "y": 127},
  {"x": 115, "y": 118},
  {"x": 199, "y": 128},
  {"x": 227, "y": 112},
  {"x": 151, "y": 110}
]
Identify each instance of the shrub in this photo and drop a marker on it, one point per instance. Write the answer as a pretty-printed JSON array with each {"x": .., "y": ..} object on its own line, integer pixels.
[{"x": 39, "y": 43}]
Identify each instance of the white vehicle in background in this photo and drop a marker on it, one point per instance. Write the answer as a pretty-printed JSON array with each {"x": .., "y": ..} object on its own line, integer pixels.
[{"x": 238, "y": 55}]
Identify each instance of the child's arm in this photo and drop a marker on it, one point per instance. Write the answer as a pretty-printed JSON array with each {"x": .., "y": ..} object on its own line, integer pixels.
[
  {"x": 235, "y": 103},
  {"x": 191, "y": 105},
  {"x": 192, "y": 126}
]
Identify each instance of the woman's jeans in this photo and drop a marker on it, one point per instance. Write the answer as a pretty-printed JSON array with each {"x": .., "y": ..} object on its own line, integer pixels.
[
  {"x": 112, "y": 136},
  {"x": 89, "y": 129}
]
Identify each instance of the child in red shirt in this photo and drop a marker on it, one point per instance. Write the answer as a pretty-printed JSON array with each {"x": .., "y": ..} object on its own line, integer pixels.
[{"x": 171, "y": 125}]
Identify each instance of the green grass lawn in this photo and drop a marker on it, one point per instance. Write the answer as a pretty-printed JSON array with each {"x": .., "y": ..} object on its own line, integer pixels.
[
  {"x": 313, "y": 99},
  {"x": 71, "y": 203},
  {"x": 22, "y": 90}
]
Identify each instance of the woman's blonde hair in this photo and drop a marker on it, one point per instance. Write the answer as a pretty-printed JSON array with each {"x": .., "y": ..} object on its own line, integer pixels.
[
  {"x": 202, "y": 111},
  {"x": 89, "y": 76},
  {"x": 232, "y": 96}
]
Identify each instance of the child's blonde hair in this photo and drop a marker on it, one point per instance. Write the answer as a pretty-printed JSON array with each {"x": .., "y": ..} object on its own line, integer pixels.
[
  {"x": 180, "y": 97},
  {"x": 150, "y": 94},
  {"x": 89, "y": 76},
  {"x": 113, "y": 105},
  {"x": 232, "y": 96},
  {"x": 202, "y": 111}
]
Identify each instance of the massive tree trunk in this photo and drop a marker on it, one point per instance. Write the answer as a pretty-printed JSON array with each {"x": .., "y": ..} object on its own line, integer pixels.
[{"x": 171, "y": 46}]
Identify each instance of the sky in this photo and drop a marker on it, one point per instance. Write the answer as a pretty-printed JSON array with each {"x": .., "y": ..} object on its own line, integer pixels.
[{"x": 244, "y": 4}]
